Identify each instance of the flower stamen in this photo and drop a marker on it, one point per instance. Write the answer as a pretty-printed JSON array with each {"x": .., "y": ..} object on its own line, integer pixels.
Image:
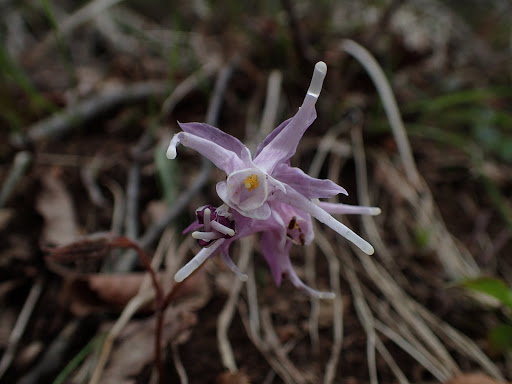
[
  {"x": 251, "y": 182},
  {"x": 206, "y": 219},
  {"x": 206, "y": 236},
  {"x": 222, "y": 228}
]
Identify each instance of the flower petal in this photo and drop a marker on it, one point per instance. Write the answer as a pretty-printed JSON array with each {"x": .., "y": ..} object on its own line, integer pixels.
[
  {"x": 231, "y": 265},
  {"x": 299, "y": 284},
  {"x": 281, "y": 146},
  {"x": 295, "y": 199},
  {"x": 247, "y": 188},
  {"x": 215, "y": 135},
  {"x": 275, "y": 251},
  {"x": 197, "y": 261},
  {"x": 298, "y": 224},
  {"x": 271, "y": 136},
  {"x": 306, "y": 185},
  {"x": 223, "y": 158},
  {"x": 344, "y": 209},
  {"x": 261, "y": 213},
  {"x": 284, "y": 144}
]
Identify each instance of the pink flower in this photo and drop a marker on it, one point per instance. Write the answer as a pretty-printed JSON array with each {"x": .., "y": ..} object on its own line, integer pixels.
[{"x": 265, "y": 193}]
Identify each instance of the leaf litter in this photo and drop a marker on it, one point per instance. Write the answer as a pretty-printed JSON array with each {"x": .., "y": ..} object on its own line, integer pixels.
[{"x": 390, "y": 325}]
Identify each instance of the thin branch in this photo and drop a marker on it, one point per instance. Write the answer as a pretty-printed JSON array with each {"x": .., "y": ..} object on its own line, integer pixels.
[
  {"x": 365, "y": 316},
  {"x": 19, "y": 167},
  {"x": 252, "y": 299},
  {"x": 226, "y": 315},
  {"x": 188, "y": 85},
  {"x": 268, "y": 120},
  {"x": 89, "y": 174},
  {"x": 154, "y": 232},
  {"x": 20, "y": 326},
  {"x": 81, "y": 16},
  {"x": 337, "y": 315},
  {"x": 304, "y": 52},
  {"x": 118, "y": 211},
  {"x": 314, "y": 313},
  {"x": 142, "y": 297},
  {"x": 272, "y": 342},
  {"x": 405, "y": 338},
  {"x": 78, "y": 114},
  {"x": 263, "y": 348},
  {"x": 410, "y": 349},
  {"x": 403, "y": 305},
  {"x": 364, "y": 199},
  {"x": 390, "y": 106},
  {"x": 462, "y": 343},
  {"x": 133, "y": 187},
  {"x": 180, "y": 369},
  {"x": 388, "y": 358}
]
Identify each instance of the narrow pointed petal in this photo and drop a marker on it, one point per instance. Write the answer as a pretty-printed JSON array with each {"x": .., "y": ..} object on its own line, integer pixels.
[
  {"x": 223, "y": 158},
  {"x": 215, "y": 135},
  {"x": 271, "y": 136},
  {"x": 299, "y": 284},
  {"x": 234, "y": 268},
  {"x": 275, "y": 251},
  {"x": 197, "y": 261},
  {"x": 296, "y": 200},
  {"x": 284, "y": 144},
  {"x": 344, "y": 209},
  {"x": 306, "y": 185}
]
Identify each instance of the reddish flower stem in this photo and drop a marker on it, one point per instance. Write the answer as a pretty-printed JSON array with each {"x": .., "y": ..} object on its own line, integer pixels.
[{"x": 160, "y": 303}]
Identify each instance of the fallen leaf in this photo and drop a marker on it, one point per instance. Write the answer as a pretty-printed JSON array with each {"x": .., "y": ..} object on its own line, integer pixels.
[
  {"x": 92, "y": 293},
  {"x": 54, "y": 203},
  {"x": 135, "y": 347},
  {"x": 232, "y": 378}
]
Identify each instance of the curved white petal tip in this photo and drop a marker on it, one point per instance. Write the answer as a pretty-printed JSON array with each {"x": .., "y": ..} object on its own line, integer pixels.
[
  {"x": 368, "y": 249},
  {"x": 234, "y": 268},
  {"x": 181, "y": 275},
  {"x": 326, "y": 295},
  {"x": 193, "y": 264},
  {"x": 374, "y": 211},
  {"x": 171, "y": 152},
  {"x": 318, "y": 79},
  {"x": 321, "y": 67},
  {"x": 243, "y": 277}
]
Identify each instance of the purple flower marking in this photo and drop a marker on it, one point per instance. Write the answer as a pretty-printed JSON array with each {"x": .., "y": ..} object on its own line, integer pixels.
[{"x": 265, "y": 194}]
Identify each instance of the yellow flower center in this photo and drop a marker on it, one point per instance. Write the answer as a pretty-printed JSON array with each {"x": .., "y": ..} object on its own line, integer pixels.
[{"x": 251, "y": 182}]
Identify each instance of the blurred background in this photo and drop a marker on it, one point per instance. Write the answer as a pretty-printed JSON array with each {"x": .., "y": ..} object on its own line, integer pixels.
[{"x": 90, "y": 95}]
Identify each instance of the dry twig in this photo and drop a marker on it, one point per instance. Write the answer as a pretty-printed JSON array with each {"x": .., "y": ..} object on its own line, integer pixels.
[
  {"x": 83, "y": 111},
  {"x": 20, "y": 326},
  {"x": 390, "y": 106},
  {"x": 226, "y": 315},
  {"x": 21, "y": 162},
  {"x": 337, "y": 315}
]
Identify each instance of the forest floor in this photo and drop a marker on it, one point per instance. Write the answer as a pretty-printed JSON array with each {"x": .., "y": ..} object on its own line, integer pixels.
[{"x": 90, "y": 96}]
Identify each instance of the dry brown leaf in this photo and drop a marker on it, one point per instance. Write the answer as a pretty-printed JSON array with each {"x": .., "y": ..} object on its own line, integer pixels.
[
  {"x": 135, "y": 348},
  {"x": 473, "y": 378},
  {"x": 54, "y": 203},
  {"x": 232, "y": 378},
  {"x": 115, "y": 289},
  {"x": 99, "y": 292}
]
